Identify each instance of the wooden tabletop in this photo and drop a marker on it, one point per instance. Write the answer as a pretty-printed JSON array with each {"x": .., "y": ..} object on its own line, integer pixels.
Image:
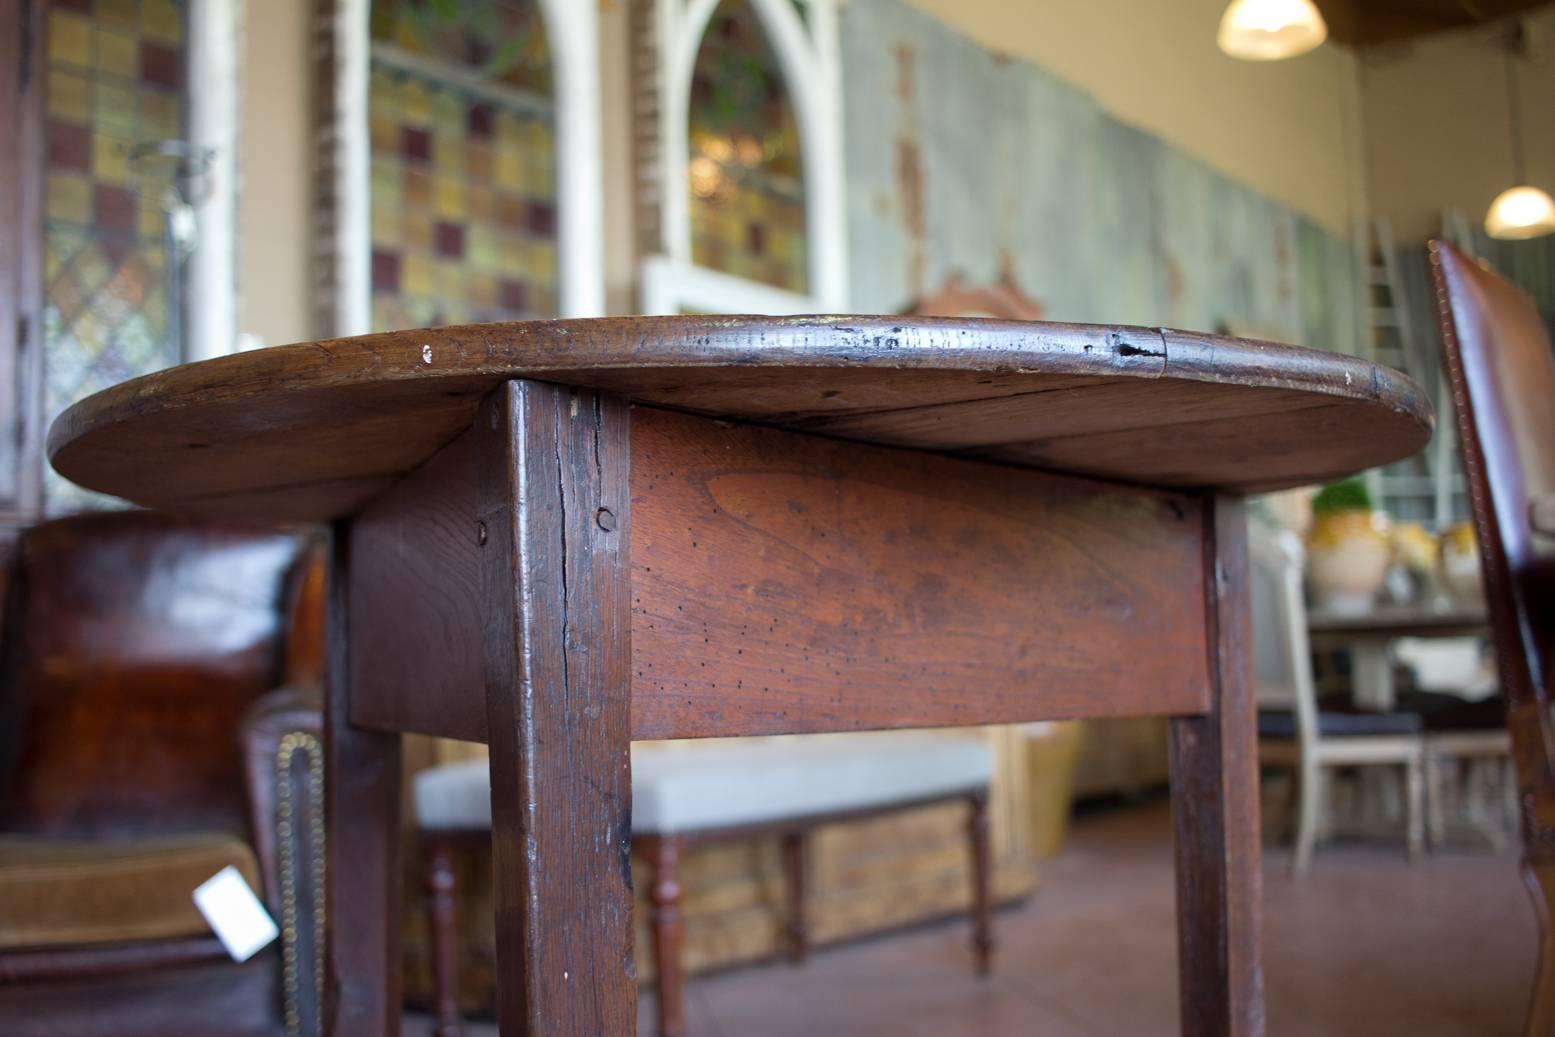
[
  {"x": 313, "y": 431},
  {"x": 1400, "y": 621}
]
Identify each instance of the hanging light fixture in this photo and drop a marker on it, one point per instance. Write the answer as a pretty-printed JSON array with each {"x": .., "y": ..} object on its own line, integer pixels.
[
  {"x": 1523, "y": 211},
  {"x": 1268, "y": 30}
]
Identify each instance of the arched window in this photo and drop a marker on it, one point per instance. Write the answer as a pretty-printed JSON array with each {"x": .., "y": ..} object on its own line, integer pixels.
[
  {"x": 744, "y": 167},
  {"x": 459, "y": 146},
  {"x": 461, "y": 122},
  {"x": 742, "y": 170}
]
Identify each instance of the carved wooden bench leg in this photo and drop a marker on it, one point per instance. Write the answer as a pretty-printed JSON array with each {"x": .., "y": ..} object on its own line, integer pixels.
[
  {"x": 798, "y": 924},
  {"x": 443, "y": 936},
  {"x": 665, "y": 892},
  {"x": 982, "y": 867}
]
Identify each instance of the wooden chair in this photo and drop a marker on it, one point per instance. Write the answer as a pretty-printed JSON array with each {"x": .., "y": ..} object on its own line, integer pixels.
[
  {"x": 1502, "y": 372},
  {"x": 144, "y": 746},
  {"x": 691, "y": 794},
  {"x": 1292, "y": 731}
]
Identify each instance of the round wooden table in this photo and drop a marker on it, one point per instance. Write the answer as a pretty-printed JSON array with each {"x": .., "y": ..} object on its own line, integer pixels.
[{"x": 558, "y": 536}]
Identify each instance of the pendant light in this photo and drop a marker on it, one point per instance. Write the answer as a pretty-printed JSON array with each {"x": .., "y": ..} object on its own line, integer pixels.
[
  {"x": 1523, "y": 211},
  {"x": 1268, "y": 30}
]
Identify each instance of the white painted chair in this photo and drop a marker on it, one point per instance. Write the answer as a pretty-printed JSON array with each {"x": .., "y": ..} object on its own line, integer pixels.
[
  {"x": 1292, "y": 731},
  {"x": 688, "y": 793}
]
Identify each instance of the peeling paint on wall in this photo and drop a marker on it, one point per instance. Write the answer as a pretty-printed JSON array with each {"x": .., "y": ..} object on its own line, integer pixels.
[
  {"x": 961, "y": 161},
  {"x": 909, "y": 170}
]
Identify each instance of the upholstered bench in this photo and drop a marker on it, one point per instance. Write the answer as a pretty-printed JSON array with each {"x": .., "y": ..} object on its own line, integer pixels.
[{"x": 696, "y": 792}]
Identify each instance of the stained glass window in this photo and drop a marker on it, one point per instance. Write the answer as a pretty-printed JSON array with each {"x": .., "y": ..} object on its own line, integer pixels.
[
  {"x": 747, "y": 192},
  {"x": 463, "y": 163},
  {"x": 115, "y": 87}
]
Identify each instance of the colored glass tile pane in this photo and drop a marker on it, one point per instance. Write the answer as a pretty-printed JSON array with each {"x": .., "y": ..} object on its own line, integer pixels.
[
  {"x": 500, "y": 41},
  {"x": 70, "y": 39},
  {"x": 747, "y": 189},
  {"x": 122, "y": 15},
  {"x": 163, "y": 20},
  {"x": 118, "y": 54},
  {"x": 463, "y": 197},
  {"x": 69, "y": 95},
  {"x": 108, "y": 309}
]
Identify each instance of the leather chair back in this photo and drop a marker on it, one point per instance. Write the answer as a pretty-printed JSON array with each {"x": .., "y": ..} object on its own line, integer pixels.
[
  {"x": 1502, "y": 371},
  {"x": 133, "y": 643}
]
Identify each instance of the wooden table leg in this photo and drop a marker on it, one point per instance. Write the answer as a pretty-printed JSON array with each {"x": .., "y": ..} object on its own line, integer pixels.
[
  {"x": 556, "y": 599},
  {"x": 1214, "y": 771},
  {"x": 362, "y": 841}
]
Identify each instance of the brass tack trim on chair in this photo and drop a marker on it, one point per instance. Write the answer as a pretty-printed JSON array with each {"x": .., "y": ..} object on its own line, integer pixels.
[{"x": 309, "y": 745}]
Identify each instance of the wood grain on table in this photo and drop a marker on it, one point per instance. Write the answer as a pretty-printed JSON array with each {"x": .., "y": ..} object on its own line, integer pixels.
[{"x": 784, "y": 583}]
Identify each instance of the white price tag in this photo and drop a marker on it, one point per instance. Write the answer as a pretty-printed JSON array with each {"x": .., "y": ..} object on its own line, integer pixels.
[{"x": 237, "y": 917}]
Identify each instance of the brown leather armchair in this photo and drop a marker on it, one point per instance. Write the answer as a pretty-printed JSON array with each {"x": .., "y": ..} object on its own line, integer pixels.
[
  {"x": 1502, "y": 370},
  {"x": 144, "y": 745}
]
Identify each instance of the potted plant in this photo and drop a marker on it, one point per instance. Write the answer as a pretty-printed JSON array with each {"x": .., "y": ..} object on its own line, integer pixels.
[{"x": 1348, "y": 551}]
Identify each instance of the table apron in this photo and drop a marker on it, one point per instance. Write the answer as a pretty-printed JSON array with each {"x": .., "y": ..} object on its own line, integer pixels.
[{"x": 787, "y": 583}]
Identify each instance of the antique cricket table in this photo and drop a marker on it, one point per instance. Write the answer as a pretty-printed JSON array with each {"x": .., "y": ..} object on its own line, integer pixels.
[{"x": 555, "y": 537}]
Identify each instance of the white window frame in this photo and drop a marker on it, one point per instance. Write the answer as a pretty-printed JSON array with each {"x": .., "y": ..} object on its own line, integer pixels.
[
  {"x": 572, "y": 39},
  {"x": 210, "y": 277},
  {"x": 808, "y": 54}
]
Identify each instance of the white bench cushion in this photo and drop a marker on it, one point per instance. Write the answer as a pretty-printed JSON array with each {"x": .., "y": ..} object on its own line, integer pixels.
[{"x": 723, "y": 783}]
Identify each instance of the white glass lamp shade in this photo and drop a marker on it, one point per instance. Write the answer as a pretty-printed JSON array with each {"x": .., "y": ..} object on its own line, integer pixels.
[
  {"x": 1268, "y": 30},
  {"x": 1520, "y": 212}
]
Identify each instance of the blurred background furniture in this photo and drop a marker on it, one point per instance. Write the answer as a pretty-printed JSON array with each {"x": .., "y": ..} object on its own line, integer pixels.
[
  {"x": 1293, "y": 731},
  {"x": 1371, "y": 637},
  {"x": 1120, "y": 757},
  {"x": 1470, "y": 783},
  {"x": 867, "y": 876},
  {"x": 1461, "y": 718},
  {"x": 1502, "y": 370},
  {"x": 1052, "y": 747},
  {"x": 716, "y": 791},
  {"x": 143, "y": 747}
]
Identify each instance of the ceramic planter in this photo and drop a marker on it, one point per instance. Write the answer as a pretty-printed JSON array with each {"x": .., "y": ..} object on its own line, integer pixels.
[{"x": 1348, "y": 553}]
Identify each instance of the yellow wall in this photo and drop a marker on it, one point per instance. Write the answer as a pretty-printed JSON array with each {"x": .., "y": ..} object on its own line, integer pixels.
[
  {"x": 275, "y": 189},
  {"x": 1439, "y": 131},
  {"x": 1289, "y": 129}
]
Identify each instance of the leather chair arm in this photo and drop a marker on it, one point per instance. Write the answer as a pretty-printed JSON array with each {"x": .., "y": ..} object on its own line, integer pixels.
[{"x": 282, "y": 740}]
